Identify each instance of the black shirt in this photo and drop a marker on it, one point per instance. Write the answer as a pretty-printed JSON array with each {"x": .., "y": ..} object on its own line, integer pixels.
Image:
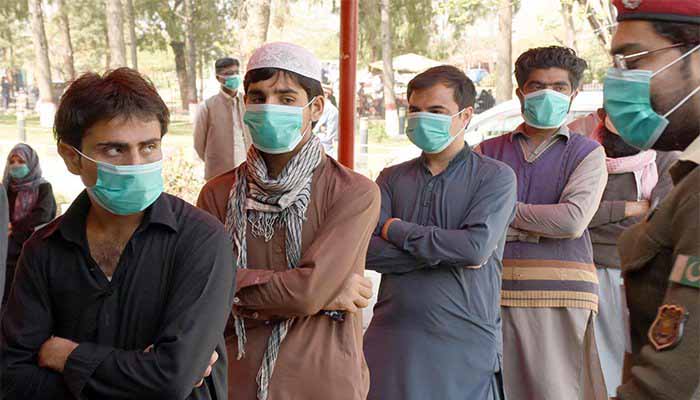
[{"x": 173, "y": 287}]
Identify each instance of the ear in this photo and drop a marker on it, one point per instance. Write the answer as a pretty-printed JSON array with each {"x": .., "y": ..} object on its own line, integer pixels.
[
  {"x": 317, "y": 108},
  {"x": 467, "y": 115},
  {"x": 70, "y": 157}
]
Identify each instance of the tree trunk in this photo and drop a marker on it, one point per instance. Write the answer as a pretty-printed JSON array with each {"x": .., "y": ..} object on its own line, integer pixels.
[
  {"x": 108, "y": 55},
  {"x": 131, "y": 33},
  {"x": 601, "y": 27},
  {"x": 504, "y": 82},
  {"x": 255, "y": 22},
  {"x": 115, "y": 33},
  {"x": 64, "y": 27},
  {"x": 41, "y": 52},
  {"x": 280, "y": 14},
  {"x": 181, "y": 70},
  {"x": 201, "y": 75},
  {"x": 391, "y": 116},
  {"x": 567, "y": 9},
  {"x": 191, "y": 52}
]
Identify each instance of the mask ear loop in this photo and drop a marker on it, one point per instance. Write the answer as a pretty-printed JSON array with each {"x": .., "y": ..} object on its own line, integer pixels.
[
  {"x": 310, "y": 128},
  {"x": 675, "y": 61}
]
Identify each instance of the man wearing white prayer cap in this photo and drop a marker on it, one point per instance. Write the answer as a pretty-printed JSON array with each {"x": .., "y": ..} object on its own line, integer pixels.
[{"x": 301, "y": 224}]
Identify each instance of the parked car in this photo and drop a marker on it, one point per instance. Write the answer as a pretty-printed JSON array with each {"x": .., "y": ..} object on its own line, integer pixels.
[{"x": 505, "y": 117}]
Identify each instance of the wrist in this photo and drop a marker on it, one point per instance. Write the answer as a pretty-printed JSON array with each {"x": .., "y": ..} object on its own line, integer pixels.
[{"x": 385, "y": 228}]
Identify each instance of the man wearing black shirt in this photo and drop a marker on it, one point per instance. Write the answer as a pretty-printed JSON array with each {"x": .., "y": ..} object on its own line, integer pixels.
[{"x": 126, "y": 295}]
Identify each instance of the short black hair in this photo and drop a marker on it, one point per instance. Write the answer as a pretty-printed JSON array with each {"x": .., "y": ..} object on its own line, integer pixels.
[
  {"x": 550, "y": 57},
  {"x": 226, "y": 62},
  {"x": 92, "y": 98},
  {"x": 462, "y": 87},
  {"x": 312, "y": 87}
]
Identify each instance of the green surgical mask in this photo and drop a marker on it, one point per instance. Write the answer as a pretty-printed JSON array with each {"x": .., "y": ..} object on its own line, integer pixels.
[
  {"x": 232, "y": 82},
  {"x": 430, "y": 131},
  {"x": 546, "y": 109},
  {"x": 126, "y": 189},
  {"x": 19, "y": 171},
  {"x": 275, "y": 129}
]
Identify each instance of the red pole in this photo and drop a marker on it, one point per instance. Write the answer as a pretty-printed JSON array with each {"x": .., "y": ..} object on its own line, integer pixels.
[{"x": 348, "y": 69}]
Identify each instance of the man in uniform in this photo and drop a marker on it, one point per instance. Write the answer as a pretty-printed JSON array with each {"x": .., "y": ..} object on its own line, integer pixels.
[{"x": 653, "y": 99}]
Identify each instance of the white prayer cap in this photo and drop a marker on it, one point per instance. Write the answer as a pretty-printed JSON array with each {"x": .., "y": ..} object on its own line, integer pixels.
[{"x": 286, "y": 56}]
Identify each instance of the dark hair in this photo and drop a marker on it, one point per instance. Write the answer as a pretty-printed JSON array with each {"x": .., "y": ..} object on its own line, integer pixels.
[
  {"x": 312, "y": 87},
  {"x": 463, "y": 90},
  {"x": 92, "y": 98},
  {"x": 550, "y": 57},
  {"x": 226, "y": 62}
]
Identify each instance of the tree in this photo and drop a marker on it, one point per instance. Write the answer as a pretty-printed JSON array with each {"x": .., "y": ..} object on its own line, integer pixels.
[
  {"x": 64, "y": 28},
  {"x": 131, "y": 33},
  {"x": 504, "y": 82},
  {"x": 599, "y": 15},
  {"x": 115, "y": 34},
  {"x": 191, "y": 52},
  {"x": 391, "y": 116},
  {"x": 41, "y": 52},
  {"x": 567, "y": 10},
  {"x": 254, "y": 17}
]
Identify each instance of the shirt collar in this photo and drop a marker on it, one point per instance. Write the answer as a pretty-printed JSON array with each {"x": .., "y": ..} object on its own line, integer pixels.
[
  {"x": 228, "y": 96},
  {"x": 72, "y": 224},
  {"x": 461, "y": 156},
  {"x": 562, "y": 131},
  {"x": 692, "y": 152}
]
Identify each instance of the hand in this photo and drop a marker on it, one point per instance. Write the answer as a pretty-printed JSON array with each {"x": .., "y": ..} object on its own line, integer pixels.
[
  {"x": 207, "y": 372},
  {"x": 355, "y": 295},
  {"x": 385, "y": 228},
  {"x": 54, "y": 353},
  {"x": 636, "y": 208}
]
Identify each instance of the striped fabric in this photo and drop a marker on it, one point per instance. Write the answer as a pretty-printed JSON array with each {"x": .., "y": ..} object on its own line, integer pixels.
[
  {"x": 549, "y": 283},
  {"x": 265, "y": 203}
]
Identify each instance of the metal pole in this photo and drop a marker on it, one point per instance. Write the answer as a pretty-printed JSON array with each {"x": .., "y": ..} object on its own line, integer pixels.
[
  {"x": 348, "y": 66},
  {"x": 21, "y": 117}
]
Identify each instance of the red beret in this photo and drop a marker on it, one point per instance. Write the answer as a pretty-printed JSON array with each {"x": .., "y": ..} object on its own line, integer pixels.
[{"x": 687, "y": 11}]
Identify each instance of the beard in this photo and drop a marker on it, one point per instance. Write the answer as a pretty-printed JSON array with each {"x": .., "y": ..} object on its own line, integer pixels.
[
  {"x": 615, "y": 147},
  {"x": 683, "y": 125}
]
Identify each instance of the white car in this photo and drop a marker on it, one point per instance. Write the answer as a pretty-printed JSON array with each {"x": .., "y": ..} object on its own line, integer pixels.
[{"x": 506, "y": 116}]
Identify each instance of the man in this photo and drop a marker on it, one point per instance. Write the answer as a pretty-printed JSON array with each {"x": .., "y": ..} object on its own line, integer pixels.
[
  {"x": 301, "y": 224},
  {"x": 327, "y": 126},
  {"x": 126, "y": 295},
  {"x": 220, "y": 137},
  {"x": 652, "y": 97},
  {"x": 637, "y": 180},
  {"x": 550, "y": 287},
  {"x": 436, "y": 331}
]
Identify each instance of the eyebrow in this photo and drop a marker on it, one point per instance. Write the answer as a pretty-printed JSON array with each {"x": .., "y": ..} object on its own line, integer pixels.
[
  {"x": 628, "y": 48},
  {"x": 558, "y": 83},
  {"x": 436, "y": 107},
  {"x": 123, "y": 145}
]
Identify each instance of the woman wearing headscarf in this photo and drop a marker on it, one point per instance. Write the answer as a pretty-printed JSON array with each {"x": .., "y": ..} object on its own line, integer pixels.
[{"x": 30, "y": 200}]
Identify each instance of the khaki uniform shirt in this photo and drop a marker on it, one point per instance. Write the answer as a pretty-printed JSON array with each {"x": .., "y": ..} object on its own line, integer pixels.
[
  {"x": 661, "y": 264},
  {"x": 221, "y": 139}
]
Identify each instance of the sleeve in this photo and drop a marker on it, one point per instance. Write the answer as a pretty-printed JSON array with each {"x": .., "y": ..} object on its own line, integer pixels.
[
  {"x": 43, "y": 212},
  {"x": 579, "y": 201},
  {"x": 22, "y": 336},
  {"x": 201, "y": 128},
  {"x": 4, "y": 222},
  {"x": 338, "y": 250},
  {"x": 193, "y": 321},
  {"x": 382, "y": 256},
  {"x": 483, "y": 227}
]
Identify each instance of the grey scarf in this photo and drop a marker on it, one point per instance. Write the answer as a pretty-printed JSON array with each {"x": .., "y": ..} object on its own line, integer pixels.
[{"x": 265, "y": 203}]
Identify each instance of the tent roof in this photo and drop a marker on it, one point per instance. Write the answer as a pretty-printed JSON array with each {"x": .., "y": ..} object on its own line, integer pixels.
[{"x": 407, "y": 63}]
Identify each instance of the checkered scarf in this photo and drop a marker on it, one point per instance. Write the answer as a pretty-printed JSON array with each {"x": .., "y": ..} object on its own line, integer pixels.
[{"x": 265, "y": 203}]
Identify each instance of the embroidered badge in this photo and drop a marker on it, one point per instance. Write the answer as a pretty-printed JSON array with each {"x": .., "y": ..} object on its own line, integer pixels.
[
  {"x": 631, "y": 4},
  {"x": 667, "y": 330},
  {"x": 686, "y": 271}
]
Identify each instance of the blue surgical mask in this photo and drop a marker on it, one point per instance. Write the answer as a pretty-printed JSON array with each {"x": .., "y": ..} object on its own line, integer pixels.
[
  {"x": 627, "y": 102},
  {"x": 19, "y": 171},
  {"x": 275, "y": 129},
  {"x": 126, "y": 189},
  {"x": 232, "y": 82},
  {"x": 546, "y": 109},
  {"x": 430, "y": 131}
]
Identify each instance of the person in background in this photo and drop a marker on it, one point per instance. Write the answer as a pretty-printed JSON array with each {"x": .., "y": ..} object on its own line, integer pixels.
[
  {"x": 652, "y": 97},
  {"x": 30, "y": 200},
  {"x": 126, "y": 295},
  {"x": 637, "y": 182},
  {"x": 328, "y": 93},
  {"x": 4, "y": 237},
  {"x": 5, "y": 87},
  {"x": 436, "y": 331},
  {"x": 301, "y": 224},
  {"x": 221, "y": 138},
  {"x": 550, "y": 286},
  {"x": 326, "y": 127}
]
